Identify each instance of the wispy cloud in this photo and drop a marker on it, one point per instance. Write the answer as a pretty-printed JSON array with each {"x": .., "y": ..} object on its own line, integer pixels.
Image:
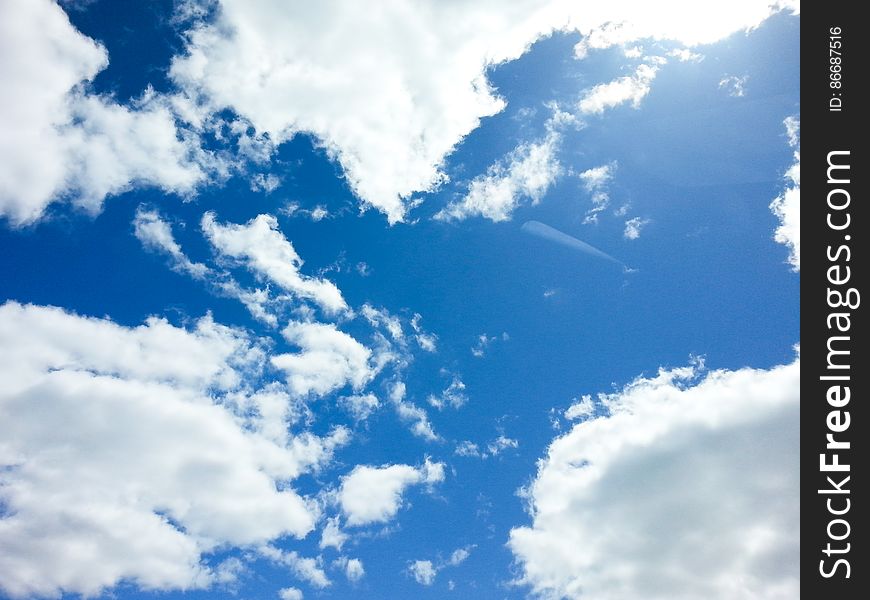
[
  {"x": 596, "y": 182},
  {"x": 734, "y": 85},
  {"x": 546, "y": 232},
  {"x": 629, "y": 89},
  {"x": 787, "y": 205},
  {"x": 525, "y": 174}
]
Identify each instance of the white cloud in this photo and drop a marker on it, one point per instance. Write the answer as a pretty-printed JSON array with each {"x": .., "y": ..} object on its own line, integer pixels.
[
  {"x": 427, "y": 341},
  {"x": 793, "y": 130},
  {"x": 318, "y": 213},
  {"x": 423, "y": 572},
  {"x": 409, "y": 80},
  {"x": 294, "y": 209},
  {"x": 374, "y": 494},
  {"x": 382, "y": 318},
  {"x": 734, "y": 85},
  {"x": 581, "y": 410},
  {"x": 597, "y": 178},
  {"x": 228, "y": 571},
  {"x": 265, "y": 183},
  {"x": 307, "y": 569},
  {"x": 459, "y": 556},
  {"x": 527, "y": 172},
  {"x": 494, "y": 448},
  {"x": 304, "y": 568},
  {"x": 483, "y": 342},
  {"x": 328, "y": 360},
  {"x": 453, "y": 395},
  {"x": 633, "y": 228},
  {"x": 360, "y": 406},
  {"x": 787, "y": 205},
  {"x": 685, "y": 55},
  {"x": 290, "y": 594},
  {"x": 60, "y": 142},
  {"x": 419, "y": 420},
  {"x": 467, "y": 448},
  {"x": 389, "y": 103},
  {"x": 596, "y": 181},
  {"x": 332, "y": 536},
  {"x": 500, "y": 444},
  {"x": 156, "y": 234},
  {"x": 625, "y": 21},
  {"x": 137, "y": 462},
  {"x": 716, "y": 463},
  {"x": 631, "y": 88},
  {"x": 411, "y": 413},
  {"x": 263, "y": 249},
  {"x": 353, "y": 568}
]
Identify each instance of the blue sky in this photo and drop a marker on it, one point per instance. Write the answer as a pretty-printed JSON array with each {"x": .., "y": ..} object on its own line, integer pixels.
[{"x": 301, "y": 344}]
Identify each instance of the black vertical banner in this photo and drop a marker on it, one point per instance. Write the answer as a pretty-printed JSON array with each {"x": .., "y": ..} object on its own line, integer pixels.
[{"x": 834, "y": 340}]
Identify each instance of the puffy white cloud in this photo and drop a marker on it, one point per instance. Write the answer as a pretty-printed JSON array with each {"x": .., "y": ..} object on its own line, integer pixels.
[
  {"x": 328, "y": 360},
  {"x": 290, "y": 593},
  {"x": 129, "y": 453},
  {"x": 626, "y": 21},
  {"x": 597, "y": 178},
  {"x": 787, "y": 206},
  {"x": 228, "y": 571},
  {"x": 332, "y": 536},
  {"x": 305, "y": 568},
  {"x": 716, "y": 464},
  {"x": 633, "y": 228},
  {"x": 631, "y": 88},
  {"x": 408, "y": 81},
  {"x": 353, "y": 568},
  {"x": 685, "y": 55},
  {"x": 423, "y": 572},
  {"x": 389, "y": 103},
  {"x": 374, "y": 494},
  {"x": 596, "y": 182},
  {"x": 60, "y": 142},
  {"x": 582, "y": 409},
  {"x": 527, "y": 172},
  {"x": 459, "y": 556},
  {"x": 263, "y": 249}
]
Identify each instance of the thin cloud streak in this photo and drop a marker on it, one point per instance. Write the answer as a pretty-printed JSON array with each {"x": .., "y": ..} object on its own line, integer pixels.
[{"x": 554, "y": 235}]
